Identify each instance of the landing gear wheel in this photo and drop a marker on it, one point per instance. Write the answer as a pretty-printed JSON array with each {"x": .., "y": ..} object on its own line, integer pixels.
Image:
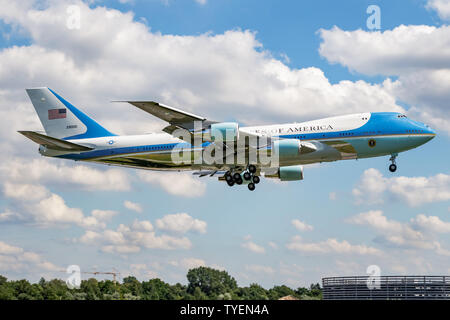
[
  {"x": 228, "y": 176},
  {"x": 230, "y": 183},
  {"x": 251, "y": 186},
  {"x": 393, "y": 167},
  {"x": 256, "y": 179},
  {"x": 247, "y": 176},
  {"x": 237, "y": 176},
  {"x": 252, "y": 168},
  {"x": 239, "y": 181}
]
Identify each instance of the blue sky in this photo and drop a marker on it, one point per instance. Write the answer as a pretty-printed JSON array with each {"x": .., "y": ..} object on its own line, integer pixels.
[{"x": 226, "y": 60}]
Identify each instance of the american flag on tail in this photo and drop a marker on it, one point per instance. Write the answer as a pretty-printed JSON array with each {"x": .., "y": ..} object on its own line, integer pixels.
[{"x": 57, "y": 114}]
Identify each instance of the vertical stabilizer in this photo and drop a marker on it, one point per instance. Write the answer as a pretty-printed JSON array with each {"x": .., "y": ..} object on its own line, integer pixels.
[{"x": 61, "y": 119}]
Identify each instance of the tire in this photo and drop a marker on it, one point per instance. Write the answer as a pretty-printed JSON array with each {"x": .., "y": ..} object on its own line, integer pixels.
[
  {"x": 247, "y": 176},
  {"x": 240, "y": 181},
  {"x": 237, "y": 176},
  {"x": 230, "y": 183},
  {"x": 393, "y": 168},
  {"x": 251, "y": 186},
  {"x": 252, "y": 168},
  {"x": 228, "y": 177},
  {"x": 256, "y": 179}
]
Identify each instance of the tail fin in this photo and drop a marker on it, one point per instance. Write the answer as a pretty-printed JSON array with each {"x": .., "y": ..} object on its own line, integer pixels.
[{"x": 61, "y": 119}]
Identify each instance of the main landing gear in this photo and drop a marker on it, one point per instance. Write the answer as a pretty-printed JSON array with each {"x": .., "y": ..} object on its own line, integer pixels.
[
  {"x": 249, "y": 176},
  {"x": 393, "y": 165}
]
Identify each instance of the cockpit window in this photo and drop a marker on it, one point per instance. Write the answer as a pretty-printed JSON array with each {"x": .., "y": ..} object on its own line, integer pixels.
[{"x": 401, "y": 116}]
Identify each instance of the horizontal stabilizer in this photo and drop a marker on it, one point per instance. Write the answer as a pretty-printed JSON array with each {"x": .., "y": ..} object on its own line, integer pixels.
[{"x": 53, "y": 143}]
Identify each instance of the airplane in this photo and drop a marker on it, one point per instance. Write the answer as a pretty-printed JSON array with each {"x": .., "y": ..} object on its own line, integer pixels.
[{"x": 71, "y": 134}]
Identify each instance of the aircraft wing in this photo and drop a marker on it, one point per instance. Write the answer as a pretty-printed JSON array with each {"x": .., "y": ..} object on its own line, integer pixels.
[
  {"x": 175, "y": 117},
  {"x": 185, "y": 120}
]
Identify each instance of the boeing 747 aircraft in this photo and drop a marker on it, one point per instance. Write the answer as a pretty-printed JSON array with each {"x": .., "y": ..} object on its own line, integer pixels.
[{"x": 237, "y": 155}]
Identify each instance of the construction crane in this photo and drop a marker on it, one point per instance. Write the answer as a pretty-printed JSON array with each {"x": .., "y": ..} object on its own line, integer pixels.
[{"x": 113, "y": 273}]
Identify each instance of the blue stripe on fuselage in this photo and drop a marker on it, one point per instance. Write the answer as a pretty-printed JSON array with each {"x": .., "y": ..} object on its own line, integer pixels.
[{"x": 380, "y": 123}]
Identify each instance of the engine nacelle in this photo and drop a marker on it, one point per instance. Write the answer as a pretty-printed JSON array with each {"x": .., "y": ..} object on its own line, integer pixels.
[
  {"x": 287, "y": 149},
  {"x": 287, "y": 173},
  {"x": 224, "y": 132}
]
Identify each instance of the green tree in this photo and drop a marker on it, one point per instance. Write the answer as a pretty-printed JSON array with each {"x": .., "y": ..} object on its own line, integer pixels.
[
  {"x": 210, "y": 282},
  {"x": 90, "y": 289},
  {"x": 131, "y": 285},
  {"x": 253, "y": 292},
  {"x": 156, "y": 289},
  {"x": 280, "y": 291}
]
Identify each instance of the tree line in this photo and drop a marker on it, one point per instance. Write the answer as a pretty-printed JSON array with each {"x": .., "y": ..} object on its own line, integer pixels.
[{"x": 203, "y": 284}]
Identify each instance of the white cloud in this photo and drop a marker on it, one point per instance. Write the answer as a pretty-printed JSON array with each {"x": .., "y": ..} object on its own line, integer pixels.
[
  {"x": 402, "y": 50},
  {"x": 201, "y": 2},
  {"x": 55, "y": 172},
  {"x": 103, "y": 215},
  {"x": 181, "y": 223},
  {"x": 418, "y": 233},
  {"x": 179, "y": 184},
  {"x": 46, "y": 209},
  {"x": 141, "y": 271},
  {"x": 373, "y": 187},
  {"x": 190, "y": 263},
  {"x": 245, "y": 76},
  {"x": 255, "y": 268},
  {"x": 250, "y": 245},
  {"x": 442, "y": 7},
  {"x": 273, "y": 245},
  {"x": 330, "y": 246},
  {"x": 431, "y": 223},
  {"x": 8, "y": 249},
  {"x": 133, "y": 206},
  {"x": 417, "y": 54},
  {"x": 301, "y": 226},
  {"x": 15, "y": 259},
  {"x": 131, "y": 239}
]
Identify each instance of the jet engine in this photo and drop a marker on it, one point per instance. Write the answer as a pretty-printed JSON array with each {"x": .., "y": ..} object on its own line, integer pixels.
[
  {"x": 287, "y": 173},
  {"x": 224, "y": 132},
  {"x": 290, "y": 148}
]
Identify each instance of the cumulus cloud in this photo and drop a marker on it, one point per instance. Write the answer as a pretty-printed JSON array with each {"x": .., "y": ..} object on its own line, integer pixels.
[
  {"x": 245, "y": 75},
  {"x": 373, "y": 188},
  {"x": 16, "y": 259},
  {"x": 141, "y": 271},
  {"x": 190, "y": 263},
  {"x": 442, "y": 7},
  {"x": 251, "y": 246},
  {"x": 58, "y": 173},
  {"x": 181, "y": 223},
  {"x": 301, "y": 226},
  {"x": 176, "y": 183},
  {"x": 133, "y": 206},
  {"x": 391, "y": 52},
  {"x": 415, "y": 54},
  {"x": 330, "y": 246},
  {"x": 418, "y": 233},
  {"x": 46, "y": 209},
  {"x": 132, "y": 238},
  {"x": 32, "y": 203},
  {"x": 256, "y": 268}
]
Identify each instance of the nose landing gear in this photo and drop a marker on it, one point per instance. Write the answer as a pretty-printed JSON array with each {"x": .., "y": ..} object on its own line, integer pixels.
[{"x": 393, "y": 165}]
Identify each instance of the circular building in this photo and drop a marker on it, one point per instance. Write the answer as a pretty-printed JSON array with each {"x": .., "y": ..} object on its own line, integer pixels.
[{"x": 386, "y": 288}]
